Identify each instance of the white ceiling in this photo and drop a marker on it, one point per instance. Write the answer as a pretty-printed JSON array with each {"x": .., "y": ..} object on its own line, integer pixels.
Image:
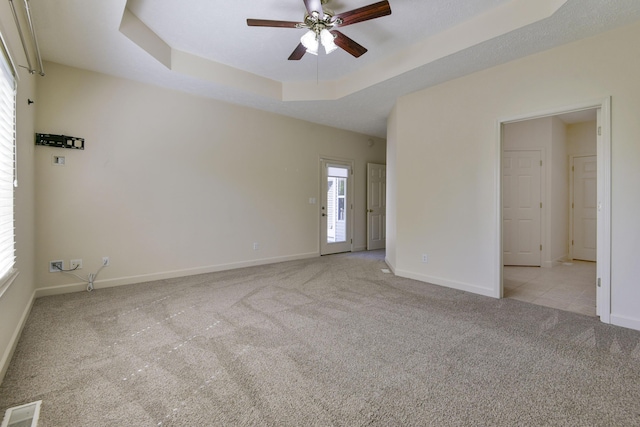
[{"x": 413, "y": 48}]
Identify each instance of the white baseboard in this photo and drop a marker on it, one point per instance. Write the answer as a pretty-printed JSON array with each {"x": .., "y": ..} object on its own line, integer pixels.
[
  {"x": 8, "y": 353},
  {"x": 391, "y": 266},
  {"x": 447, "y": 283},
  {"x": 557, "y": 261},
  {"x": 121, "y": 281},
  {"x": 626, "y": 322},
  {"x": 359, "y": 248}
]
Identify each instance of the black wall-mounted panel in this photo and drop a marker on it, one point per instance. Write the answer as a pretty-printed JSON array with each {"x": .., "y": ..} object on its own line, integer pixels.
[{"x": 60, "y": 141}]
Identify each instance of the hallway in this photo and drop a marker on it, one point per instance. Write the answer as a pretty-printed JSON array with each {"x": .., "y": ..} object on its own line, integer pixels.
[{"x": 567, "y": 286}]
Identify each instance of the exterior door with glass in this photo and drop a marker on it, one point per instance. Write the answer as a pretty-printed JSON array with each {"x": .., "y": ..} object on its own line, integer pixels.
[{"x": 336, "y": 209}]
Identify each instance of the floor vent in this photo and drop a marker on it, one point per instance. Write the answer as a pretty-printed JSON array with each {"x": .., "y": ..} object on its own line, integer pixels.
[{"x": 22, "y": 416}]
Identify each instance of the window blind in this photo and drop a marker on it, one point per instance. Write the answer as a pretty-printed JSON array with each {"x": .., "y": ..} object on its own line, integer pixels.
[{"x": 7, "y": 167}]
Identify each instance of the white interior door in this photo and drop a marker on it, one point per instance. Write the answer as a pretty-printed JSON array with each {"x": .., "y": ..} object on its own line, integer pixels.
[
  {"x": 336, "y": 209},
  {"x": 584, "y": 204},
  {"x": 522, "y": 208},
  {"x": 376, "y": 206}
]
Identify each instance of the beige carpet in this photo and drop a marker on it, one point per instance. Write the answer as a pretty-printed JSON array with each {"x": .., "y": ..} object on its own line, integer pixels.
[{"x": 331, "y": 341}]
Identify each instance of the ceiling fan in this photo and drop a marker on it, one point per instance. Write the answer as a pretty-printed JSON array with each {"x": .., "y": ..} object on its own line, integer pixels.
[{"x": 321, "y": 23}]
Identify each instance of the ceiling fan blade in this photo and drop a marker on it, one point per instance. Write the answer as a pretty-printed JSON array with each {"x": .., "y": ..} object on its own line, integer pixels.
[
  {"x": 314, "y": 6},
  {"x": 298, "y": 53},
  {"x": 375, "y": 10},
  {"x": 270, "y": 23},
  {"x": 348, "y": 44}
]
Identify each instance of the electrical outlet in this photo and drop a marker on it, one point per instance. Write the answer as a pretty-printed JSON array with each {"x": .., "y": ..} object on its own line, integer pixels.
[
  {"x": 58, "y": 160},
  {"x": 425, "y": 258},
  {"x": 105, "y": 261},
  {"x": 256, "y": 246},
  {"x": 75, "y": 264},
  {"x": 56, "y": 266}
]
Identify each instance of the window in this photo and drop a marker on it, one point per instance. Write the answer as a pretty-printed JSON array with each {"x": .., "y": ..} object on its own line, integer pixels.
[{"x": 7, "y": 167}]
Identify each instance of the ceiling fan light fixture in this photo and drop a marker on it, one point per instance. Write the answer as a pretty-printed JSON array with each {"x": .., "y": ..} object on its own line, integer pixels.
[
  {"x": 310, "y": 41},
  {"x": 327, "y": 41},
  {"x": 320, "y": 22}
]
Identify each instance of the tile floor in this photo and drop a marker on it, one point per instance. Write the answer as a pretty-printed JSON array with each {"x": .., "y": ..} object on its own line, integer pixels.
[{"x": 567, "y": 286}]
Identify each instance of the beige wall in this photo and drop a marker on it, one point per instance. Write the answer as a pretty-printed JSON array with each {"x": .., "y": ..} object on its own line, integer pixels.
[
  {"x": 171, "y": 184},
  {"x": 581, "y": 139},
  {"x": 448, "y": 177},
  {"x": 17, "y": 300}
]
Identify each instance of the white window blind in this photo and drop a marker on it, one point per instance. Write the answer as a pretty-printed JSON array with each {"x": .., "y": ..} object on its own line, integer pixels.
[{"x": 7, "y": 167}]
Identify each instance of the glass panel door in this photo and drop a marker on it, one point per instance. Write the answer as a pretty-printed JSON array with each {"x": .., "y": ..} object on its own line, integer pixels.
[{"x": 336, "y": 208}]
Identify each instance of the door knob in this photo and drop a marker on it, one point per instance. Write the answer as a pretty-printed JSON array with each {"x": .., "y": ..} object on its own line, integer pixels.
[{"x": 324, "y": 214}]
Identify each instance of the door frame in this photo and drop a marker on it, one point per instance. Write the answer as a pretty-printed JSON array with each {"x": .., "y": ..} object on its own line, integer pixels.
[
  {"x": 350, "y": 199},
  {"x": 604, "y": 196}
]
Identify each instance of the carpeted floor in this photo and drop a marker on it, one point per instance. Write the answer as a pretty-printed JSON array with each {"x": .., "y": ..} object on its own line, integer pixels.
[{"x": 331, "y": 341}]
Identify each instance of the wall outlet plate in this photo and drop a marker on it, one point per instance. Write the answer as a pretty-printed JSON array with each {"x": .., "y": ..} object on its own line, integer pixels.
[
  {"x": 75, "y": 264},
  {"x": 58, "y": 160},
  {"x": 56, "y": 266}
]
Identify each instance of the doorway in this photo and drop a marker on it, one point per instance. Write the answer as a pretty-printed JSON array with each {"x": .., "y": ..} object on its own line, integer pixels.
[
  {"x": 522, "y": 207},
  {"x": 376, "y": 206},
  {"x": 336, "y": 210},
  {"x": 557, "y": 236}
]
